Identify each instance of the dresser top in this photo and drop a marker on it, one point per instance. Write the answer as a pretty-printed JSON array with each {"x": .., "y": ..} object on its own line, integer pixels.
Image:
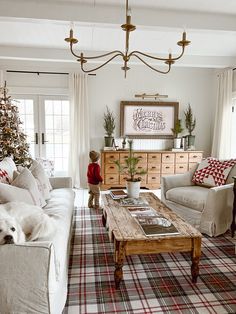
[{"x": 150, "y": 151}]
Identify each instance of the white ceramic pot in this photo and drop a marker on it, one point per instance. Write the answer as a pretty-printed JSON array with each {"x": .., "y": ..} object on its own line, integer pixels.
[
  {"x": 133, "y": 189},
  {"x": 177, "y": 142}
]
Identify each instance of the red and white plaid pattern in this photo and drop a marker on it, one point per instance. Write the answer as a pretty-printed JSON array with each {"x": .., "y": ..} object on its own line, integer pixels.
[
  {"x": 156, "y": 283},
  {"x": 213, "y": 172},
  {"x": 4, "y": 177}
]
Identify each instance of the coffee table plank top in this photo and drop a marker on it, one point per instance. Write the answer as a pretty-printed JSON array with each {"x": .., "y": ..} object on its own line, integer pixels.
[{"x": 130, "y": 230}]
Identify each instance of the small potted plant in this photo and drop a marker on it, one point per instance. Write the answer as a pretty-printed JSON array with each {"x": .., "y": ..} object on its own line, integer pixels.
[
  {"x": 190, "y": 123},
  {"x": 109, "y": 126},
  {"x": 176, "y": 131},
  {"x": 130, "y": 169}
]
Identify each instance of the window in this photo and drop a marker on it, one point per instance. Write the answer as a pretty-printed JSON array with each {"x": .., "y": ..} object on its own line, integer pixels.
[{"x": 46, "y": 124}]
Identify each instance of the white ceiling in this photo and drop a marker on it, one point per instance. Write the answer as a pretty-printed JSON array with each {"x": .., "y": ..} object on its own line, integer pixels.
[{"x": 35, "y": 30}]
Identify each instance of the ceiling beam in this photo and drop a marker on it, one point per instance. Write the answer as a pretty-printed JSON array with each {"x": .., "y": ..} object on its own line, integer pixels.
[
  {"x": 24, "y": 55},
  {"x": 71, "y": 11}
]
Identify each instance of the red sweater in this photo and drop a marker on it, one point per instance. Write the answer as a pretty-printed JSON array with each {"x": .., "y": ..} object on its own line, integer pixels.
[{"x": 93, "y": 173}]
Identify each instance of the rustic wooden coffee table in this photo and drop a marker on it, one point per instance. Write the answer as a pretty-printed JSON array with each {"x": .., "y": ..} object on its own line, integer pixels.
[{"x": 129, "y": 239}]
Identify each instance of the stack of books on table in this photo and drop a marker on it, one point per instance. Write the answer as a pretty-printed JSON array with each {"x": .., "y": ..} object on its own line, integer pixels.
[
  {"x": 134, "y": 202},
  {"x": 117, "y": 194}
]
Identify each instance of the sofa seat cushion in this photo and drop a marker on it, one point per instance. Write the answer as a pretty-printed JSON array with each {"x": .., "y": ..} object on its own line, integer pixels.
[
  {"x": 60, "y": 206},
  {"x": 190, "y": 196}
]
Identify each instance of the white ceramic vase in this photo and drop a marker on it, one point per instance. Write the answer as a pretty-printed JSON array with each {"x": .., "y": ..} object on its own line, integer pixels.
[{"x": 133, "y": 189}]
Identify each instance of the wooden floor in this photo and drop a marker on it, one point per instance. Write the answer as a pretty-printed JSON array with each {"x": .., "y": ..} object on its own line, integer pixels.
[{"x": 81, "y": 199}]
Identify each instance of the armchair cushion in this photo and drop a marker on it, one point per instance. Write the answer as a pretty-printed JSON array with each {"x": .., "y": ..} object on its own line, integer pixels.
[
  {"x": 213, "y": 172},
  {"x": 194, "y": 197}
]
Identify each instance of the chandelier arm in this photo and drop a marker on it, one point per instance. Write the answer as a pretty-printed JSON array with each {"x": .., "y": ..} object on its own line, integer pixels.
[
  {"x": 135, "y": 52},
  {"x": 100, "y": 66},
  {"x": 152, "y": 68},
  {"x": 95, "y": 57}
]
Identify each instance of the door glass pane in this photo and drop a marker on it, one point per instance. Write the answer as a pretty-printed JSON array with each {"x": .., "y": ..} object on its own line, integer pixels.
[
  {"x": 233, "y": 131},
  {"x": 57, "y": 133},
  {"x": 26, "y": 114}
]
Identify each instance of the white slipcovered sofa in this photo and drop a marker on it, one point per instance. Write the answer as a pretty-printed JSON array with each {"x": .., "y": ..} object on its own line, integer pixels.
[
  {"x": 207, "y": 209},
  {"x": 34, "y": 275}
]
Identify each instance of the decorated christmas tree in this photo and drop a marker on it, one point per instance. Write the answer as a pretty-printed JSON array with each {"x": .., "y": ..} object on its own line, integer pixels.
[{"x": 12, "y": 139}]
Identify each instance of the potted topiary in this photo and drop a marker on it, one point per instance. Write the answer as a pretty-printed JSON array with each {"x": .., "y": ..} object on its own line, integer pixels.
[
  {"x": 130, "y": 169},
  {"x": 176, "y": 131},
  {"x": 190, "y": 123},
  {"x": 109, "y": 126}
]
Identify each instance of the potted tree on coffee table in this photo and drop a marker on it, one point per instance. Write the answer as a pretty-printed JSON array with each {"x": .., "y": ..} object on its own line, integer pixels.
[{"x": 130, "y": 169}]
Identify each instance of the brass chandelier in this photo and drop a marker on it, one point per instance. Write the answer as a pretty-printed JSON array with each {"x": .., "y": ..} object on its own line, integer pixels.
[{"x": 126, "y": 56}]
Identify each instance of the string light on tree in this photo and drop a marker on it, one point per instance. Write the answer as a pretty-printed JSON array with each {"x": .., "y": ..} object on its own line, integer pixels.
[{"x": 12, "y": 139}]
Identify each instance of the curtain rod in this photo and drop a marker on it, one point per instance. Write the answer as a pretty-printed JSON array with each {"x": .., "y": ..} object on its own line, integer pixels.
[{"x": 40, "y": 72}]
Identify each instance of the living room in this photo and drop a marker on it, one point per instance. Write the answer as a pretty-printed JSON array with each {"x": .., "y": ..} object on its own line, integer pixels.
[{"x": 40, "y": 72}]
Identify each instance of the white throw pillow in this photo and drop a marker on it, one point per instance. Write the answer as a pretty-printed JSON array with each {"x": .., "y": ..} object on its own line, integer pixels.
[
  {"x": 41, "y": 178},
  {"x": 7, "y": 167},
  {"x": 9, "y": 193},
  {"x": 26, "y": 180}
]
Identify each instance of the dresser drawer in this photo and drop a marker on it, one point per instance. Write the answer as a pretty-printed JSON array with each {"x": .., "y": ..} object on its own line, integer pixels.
[
  {"x": 154, "y": 158},
  {"x": 111, "y": 179},
  {"x": 167, "y": 168},
  {"x": 152, "y": 168},
  {"x": 111, "y": 168},
  {"x": 111, "y": 157},
  {"x": 181, "y": 168},
  {"x": 153, "y": 178},
  {"x": 142, "y": 157},
  {"x": 195, "y": 157},
  {"x": 181, "y": 158},
  {"x": 123, "y": 156},
  {"x": 168, "y": 158}
]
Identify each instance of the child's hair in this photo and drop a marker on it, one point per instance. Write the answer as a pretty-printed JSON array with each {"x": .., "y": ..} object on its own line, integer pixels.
[{"x": 94, "y": 156}]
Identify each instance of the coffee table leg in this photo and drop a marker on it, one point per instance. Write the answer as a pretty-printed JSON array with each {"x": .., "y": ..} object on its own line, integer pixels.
[
  {"x": 119, "y": 261},
  {"x": 196, "y": 253}
]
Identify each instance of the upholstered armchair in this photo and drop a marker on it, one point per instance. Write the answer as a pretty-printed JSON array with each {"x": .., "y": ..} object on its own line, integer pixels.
[{"x": 208, "y": 209}]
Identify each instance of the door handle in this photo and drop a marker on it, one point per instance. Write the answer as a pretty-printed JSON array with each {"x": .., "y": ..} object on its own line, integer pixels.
[
  {"x": 43, "y": 139},
  {"x": 36, "y": 139}
]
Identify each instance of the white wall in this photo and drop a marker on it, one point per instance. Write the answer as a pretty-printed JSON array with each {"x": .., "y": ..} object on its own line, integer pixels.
[{"x": 185, "y": 85}]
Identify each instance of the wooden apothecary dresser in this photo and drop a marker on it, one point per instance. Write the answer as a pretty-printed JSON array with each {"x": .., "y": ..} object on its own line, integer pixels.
[{"x": 156, "y": 163}]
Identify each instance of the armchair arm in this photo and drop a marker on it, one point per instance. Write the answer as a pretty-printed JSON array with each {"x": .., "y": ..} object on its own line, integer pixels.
[
  {"x": 27, "y": 273},
  {"x": 61, "y": 182},
  {"x": 218, "y": 210},
  {"x": 177, "y": 180}
]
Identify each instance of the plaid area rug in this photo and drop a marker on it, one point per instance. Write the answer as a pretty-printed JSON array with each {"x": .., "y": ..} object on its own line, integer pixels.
[{"x": 158, "y": 283}]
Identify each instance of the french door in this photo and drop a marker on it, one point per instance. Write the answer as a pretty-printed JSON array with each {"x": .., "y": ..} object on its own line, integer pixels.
[{"x": 46, "y": 124}]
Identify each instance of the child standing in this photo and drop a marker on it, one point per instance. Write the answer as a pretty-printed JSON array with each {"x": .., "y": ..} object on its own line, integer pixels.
[{"x": 94, "y": 179}]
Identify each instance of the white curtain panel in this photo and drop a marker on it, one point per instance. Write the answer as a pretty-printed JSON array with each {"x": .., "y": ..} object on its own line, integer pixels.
[
  {"x": 221, "y": 146},
  {"x": 80, "y": 137}
]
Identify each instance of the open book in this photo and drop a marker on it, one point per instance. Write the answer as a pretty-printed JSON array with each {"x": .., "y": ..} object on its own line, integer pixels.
[{"x": 151, "y": 222}]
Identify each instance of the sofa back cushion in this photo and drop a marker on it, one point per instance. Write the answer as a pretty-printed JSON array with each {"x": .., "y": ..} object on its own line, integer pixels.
[
  {"x": 41, "y": 178},
  {"x": 9, "y": 193},
  {"x": 232, "y": 174},
  {"x": 7, "y": 167},
  {"x": 26, "y": 180},
  {"x": 213, "y": 172}
]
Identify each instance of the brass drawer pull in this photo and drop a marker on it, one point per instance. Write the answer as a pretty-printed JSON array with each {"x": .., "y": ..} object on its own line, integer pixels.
[
  {"x": 195, "y": 156},
  {"x": 180, "y": 167},
  {"x": 154, "y": 156},
  {"x": 153, "y": 177},
  {"x": 153, "y": 167},
  {"x": 181, "y": 156},
  {"x": 167, "y": 156},
  {"x": 111, "y": 178},
  {"x": 111, "y": 167},
  {"x": 167, "y": 167}
]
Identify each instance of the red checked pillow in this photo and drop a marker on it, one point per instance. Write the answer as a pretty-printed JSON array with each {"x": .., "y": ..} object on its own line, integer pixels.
[{"x": 213, "y": 172}]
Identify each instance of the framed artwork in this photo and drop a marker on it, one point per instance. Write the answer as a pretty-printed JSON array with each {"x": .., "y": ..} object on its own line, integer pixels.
[{"x": 140, "y": 119}]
